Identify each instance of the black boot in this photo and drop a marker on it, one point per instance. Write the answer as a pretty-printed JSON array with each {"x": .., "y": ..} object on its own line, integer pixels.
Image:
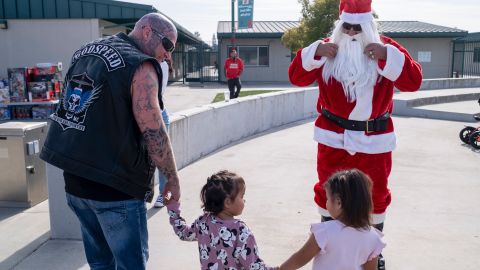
[
  {"x": 325, "y": 218},
  {"x": 381, "y": 260}
]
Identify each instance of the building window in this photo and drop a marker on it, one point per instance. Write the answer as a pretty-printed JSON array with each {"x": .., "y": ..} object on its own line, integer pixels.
[
  {"x": 424, "y": 57},
  {"x": 476, "y": 55},
  {"x": 252, "y": 55}
]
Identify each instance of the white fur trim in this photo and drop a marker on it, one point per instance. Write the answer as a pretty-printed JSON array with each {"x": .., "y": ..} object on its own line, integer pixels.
[
  {"x": 323, "y": 212},
  {"x": 356, "y": 141},
  {"x": 308, "y": 57},
  {"x": 395, "y": 63},
  {"x": 356, "y": 18},
  {"x": 376, "y": 218},
  {"x": 379, "y": 218}
]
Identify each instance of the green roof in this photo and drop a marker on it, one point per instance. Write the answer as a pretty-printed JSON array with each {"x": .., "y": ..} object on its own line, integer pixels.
[
  {"x": 395, "y": 29},
  {"x": 60, "y": 9},
  {"x": 121, "y": 13},
  {"x": 261, "y": 29},
  {"x": 411, "y": 29},
  {"x": 471, "y": 37}
]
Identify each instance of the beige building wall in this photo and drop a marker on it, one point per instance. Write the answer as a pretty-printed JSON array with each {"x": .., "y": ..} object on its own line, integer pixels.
[
  {"x": 440, "y": 50},
  {"x": 108, "y": 28},
  {"x": 279, "y": 60},
  {"x": 27, "y": 42}
]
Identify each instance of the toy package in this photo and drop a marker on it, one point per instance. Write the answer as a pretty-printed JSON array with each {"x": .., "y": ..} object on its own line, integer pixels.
[
  {"x": 4, "y": 92},
  {"x": 40, "y": 91},
  {"x": 4, "y": 113},
  {"x": 21, "y": 112},
  {"x": 42, "y": 112},
  {"x": 18, "y": 78}
]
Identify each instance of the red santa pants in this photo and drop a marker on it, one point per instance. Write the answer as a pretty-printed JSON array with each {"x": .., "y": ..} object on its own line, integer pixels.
[{"x": 377, "y": 166}]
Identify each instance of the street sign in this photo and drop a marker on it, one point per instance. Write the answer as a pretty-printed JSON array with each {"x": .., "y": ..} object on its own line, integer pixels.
[{"x": 245, "y": 14}]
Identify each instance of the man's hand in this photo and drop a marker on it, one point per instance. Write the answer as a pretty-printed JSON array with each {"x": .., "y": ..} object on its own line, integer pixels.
[
  {"x": 328, "y": 50},
  {"x": 376, "y": 51},
  {"x": 172, "y": 190}
]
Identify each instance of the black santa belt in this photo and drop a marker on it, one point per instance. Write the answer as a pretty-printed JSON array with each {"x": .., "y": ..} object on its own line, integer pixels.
[{"x": 372, "y": 125}]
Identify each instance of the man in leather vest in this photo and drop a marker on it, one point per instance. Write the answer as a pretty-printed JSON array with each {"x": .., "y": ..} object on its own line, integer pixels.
[{"x": 108, "y": 136}]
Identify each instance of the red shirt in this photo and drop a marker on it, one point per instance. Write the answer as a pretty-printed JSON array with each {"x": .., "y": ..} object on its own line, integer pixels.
[{"x": 233, "y": 67}]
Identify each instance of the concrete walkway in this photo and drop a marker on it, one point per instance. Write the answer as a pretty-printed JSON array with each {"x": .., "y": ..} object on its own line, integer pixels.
[{"x": 432, "y": 224}]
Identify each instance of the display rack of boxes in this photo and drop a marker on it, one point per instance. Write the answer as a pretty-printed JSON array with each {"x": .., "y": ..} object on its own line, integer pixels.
[
  {"x": 30, "y": 93},
  {"x": 4, "y": 100}
]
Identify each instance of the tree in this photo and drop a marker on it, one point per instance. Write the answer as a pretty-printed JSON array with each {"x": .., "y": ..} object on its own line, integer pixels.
[
  {"x": 316, "y": 23},
  {"x": 214, "y": 43}
]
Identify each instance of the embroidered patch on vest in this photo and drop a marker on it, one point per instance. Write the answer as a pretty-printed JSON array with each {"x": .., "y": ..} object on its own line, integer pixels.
[
  {"x": 80, "y": 93},
  {"x": 110, "y": 56}
]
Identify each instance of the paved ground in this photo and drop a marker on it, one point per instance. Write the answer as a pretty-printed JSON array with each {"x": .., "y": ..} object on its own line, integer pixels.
[{"x": 433, "y": 222}]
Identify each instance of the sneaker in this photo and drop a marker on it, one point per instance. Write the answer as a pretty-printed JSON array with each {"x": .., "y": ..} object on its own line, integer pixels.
[{"x": 159, "y": 202}]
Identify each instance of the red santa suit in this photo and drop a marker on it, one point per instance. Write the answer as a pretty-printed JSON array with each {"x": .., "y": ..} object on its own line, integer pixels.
[{"x": 339, "y": 148}]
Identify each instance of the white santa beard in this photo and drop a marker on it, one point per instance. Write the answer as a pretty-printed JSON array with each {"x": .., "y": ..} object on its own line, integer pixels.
[{"x": 351, "y": 67}]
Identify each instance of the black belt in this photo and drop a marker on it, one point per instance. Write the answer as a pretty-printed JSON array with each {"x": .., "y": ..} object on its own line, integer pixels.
[{"x": 372, "y": 125}]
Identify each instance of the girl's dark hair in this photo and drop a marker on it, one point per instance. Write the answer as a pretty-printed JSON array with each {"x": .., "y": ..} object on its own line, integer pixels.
[
  {"x": 220, "y": 186},
  {"x": 353, "y": 188}
]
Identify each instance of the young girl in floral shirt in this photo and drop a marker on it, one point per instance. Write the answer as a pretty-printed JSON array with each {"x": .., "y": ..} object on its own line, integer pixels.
[{"x": 223, "y": 241}]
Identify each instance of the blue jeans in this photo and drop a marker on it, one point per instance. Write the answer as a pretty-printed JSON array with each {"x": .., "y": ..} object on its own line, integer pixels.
[
  {"x": 114, "y": 234},
  {"x": 162, "y": 180}
]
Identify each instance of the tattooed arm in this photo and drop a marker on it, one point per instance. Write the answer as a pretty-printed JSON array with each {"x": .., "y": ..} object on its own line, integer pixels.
[{"x": 146, "y": 110}]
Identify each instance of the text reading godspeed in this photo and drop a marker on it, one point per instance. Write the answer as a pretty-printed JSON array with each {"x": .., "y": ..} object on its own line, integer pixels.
[{"x": 108, "y": 54}]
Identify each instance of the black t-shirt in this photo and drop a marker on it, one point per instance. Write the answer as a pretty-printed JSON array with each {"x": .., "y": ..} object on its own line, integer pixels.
[{"x": 87, "y": 189}]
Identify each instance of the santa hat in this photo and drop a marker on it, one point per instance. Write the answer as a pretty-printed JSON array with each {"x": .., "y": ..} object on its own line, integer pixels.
[{"x": 356, "y": 11}]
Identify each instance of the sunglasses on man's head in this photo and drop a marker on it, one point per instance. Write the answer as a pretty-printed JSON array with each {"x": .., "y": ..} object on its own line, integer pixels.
[
  {"x": 166, "y": 43},
  {"x": 355, "y": 27}
]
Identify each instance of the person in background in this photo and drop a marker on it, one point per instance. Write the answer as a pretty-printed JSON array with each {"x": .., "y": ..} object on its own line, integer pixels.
[
  {"x": 233, "y": 69},
  {"x": 162, "y": 180}
]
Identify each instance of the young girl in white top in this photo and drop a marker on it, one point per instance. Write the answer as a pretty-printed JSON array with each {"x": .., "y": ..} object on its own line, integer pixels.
[{"x": 348, "y": 241}]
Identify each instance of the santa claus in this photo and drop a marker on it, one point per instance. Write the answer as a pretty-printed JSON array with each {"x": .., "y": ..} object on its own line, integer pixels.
[{"x": 356, "y": 69}]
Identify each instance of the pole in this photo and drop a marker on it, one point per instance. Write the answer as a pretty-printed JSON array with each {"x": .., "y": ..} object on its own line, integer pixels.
[{"x": 233, "y": 23}]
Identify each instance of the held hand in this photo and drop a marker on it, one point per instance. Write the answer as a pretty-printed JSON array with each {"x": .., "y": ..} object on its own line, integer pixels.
[
  {"x": 172, "y": 190},
  {"x": 328, "y": 50},
  {"x": 376, "y": 51}
]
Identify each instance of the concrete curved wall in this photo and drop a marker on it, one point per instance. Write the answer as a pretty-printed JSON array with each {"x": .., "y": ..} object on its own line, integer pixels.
[{"x": 199, "y": 131}]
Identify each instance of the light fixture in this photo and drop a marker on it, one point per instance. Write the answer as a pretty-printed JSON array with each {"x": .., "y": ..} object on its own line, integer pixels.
[{"x": 3, "y": 24}]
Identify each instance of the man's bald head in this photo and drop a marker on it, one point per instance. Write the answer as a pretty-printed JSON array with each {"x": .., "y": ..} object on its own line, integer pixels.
[
  {"x": 150, "y": 32},
  {"x": 158, "y": 22}
]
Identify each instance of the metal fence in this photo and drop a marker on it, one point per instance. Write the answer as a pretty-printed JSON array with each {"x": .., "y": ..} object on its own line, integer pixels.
[
  {"x": 195, "y": 64},
  {"x": 466, "y": 59}
]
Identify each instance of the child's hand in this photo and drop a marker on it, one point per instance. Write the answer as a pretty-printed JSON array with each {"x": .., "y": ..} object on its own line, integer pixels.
[{"x": 167, "y": 198}]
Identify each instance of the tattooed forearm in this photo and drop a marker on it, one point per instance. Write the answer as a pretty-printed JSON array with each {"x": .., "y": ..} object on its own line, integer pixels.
[
  {"x": 146, "y": 110},
  {"x": 159, "y": 149}
]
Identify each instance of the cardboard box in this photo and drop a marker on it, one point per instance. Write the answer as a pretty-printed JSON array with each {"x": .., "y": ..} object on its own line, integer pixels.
[
  {"x": 40, "y": 91},
  {"x": 42, "y": 112},
  {"x": 4, "y": 113},
  {"x": 17, "y": 81},
  {"x": 21, "y": 112}
]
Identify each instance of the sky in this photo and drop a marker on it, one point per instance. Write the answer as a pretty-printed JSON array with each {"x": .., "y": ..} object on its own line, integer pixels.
[{"x": 203, "y": 15}]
